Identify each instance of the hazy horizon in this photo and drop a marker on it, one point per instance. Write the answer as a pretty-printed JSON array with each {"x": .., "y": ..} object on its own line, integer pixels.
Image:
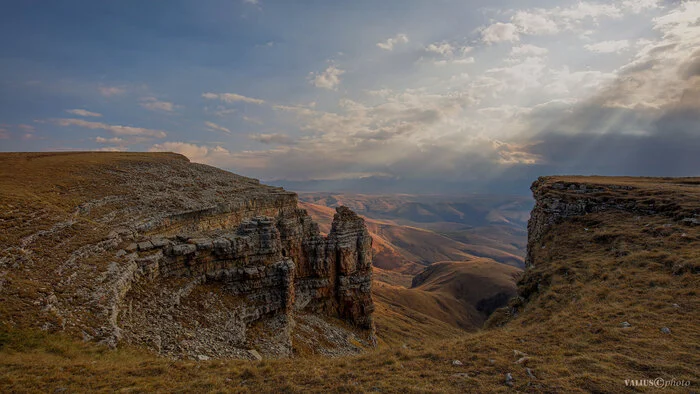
[{"x": 400, "y": 96}]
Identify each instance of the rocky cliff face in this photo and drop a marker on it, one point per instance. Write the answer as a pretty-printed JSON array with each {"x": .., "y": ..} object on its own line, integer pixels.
[
  {"x": 559, "y": 199},
  {"x": 200, "y": 262},
  {"x": 665, "y": 211}
]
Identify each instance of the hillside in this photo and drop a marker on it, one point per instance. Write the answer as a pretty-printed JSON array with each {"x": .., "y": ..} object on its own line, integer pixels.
[
  {"x": 451, "y": 291},
  {"x": 408, "y": 248},
  {"x": 609, "y": 294},
  {"x": 419, "y": 230},
  {"x": 460, "y": 293},
  {"x": 184, "y": 259}
]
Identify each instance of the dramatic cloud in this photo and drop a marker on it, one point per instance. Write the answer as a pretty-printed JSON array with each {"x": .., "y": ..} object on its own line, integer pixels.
[
  {"x": 114, "y": 129},
  {"x": 329, "y": 79},
  {"x": 576, "y": 86},
  {"x": 391, "y": 42},
  {"x": 216, "y": 127},
  {"x": 232, "y": 98},
  {"x": 583, "y": 121},
  {"x": 153, "y": 104},
  {"x": 82, "y": 112}
]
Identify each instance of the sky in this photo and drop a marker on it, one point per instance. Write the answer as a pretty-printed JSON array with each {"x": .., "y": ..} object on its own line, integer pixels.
[{"x": 421, "y": 95}]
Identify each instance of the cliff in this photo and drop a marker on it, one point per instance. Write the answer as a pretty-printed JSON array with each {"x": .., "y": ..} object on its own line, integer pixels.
[
  {"x": 609, "y": 297},
  {"x": 184, "y": 258}
]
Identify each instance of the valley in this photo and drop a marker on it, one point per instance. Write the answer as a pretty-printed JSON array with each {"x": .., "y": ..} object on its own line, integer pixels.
[{"x": 207, "y": 281}]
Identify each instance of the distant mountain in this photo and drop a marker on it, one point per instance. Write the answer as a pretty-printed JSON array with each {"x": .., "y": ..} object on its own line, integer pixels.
[
  {"x": 411, "y": 231},
  {"x": 377, "y": 184}
]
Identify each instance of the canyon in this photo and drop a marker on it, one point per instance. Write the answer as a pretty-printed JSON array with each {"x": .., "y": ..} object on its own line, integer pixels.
[{"x": 231, "y": 286}]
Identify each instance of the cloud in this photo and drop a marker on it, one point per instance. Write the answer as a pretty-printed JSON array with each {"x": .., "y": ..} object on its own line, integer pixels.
[
  {"x": 82, "y": 112},
  {"x": 216, "y": 127},
  {"x": 499, "y": 32},
  {"x": 549, "y": 21},
  {"x": 113, "y": 140},
  {"x": 299, "y": 110},
  {"x": 109, "y": 91},
  {"x": 232, "y": 98},
  {"x": 534, "y": 23},
  {"x": 608, "y": 46},
  {"x": 442, "y": 48},
  {"x": 514, "y": 122},
  {"x": 4, "y": 134},
  {"x": 112, "y": 149},
  {"x": 153, "y": 104},
  {"x": 114, "y": 129},
  {"x": 279, "y": 139},
  {"x": 329, "y": 79},
  {"x": 212, "y": 155},
  {"x": 528, "y": 50},
  {"x": 252, "y": 120},
  {"x": 389, "y": 44},
  {"x": 444, "y": 53}
]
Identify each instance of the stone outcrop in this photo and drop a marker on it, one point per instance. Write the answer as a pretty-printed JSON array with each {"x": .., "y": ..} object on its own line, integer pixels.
[
  {"x": 557, "y": 200},
  {"x": 275, "y": 266},
  {"x": 655, "y": 207},
  {"x": 196, "y": 261}
]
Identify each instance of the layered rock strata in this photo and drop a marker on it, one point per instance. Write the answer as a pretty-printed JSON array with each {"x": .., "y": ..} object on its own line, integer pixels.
[{"x": 194, "y": 261}]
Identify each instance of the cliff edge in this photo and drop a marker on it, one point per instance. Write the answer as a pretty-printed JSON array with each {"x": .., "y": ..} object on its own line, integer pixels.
[
  {"x": 187, "y": 259},
  {"x": 608, "y": 303}
]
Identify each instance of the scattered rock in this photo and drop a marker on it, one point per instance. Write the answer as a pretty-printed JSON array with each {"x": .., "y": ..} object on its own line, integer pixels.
[
  {"x": 509, "y": 380},
  {"x": 529, "y": 373},
  {"x": 202, "y": 357},
  {"x": 518, "y": 353},
  {"x": 676, "y": 306},
  {"x": 254, "y": 353},
  {"x": 461, "y": 375},
  {"x": 523, "y": 360},
  {"x": 625, "y": 324},
  {"x": 666, "y": 330},
  {"x": 145, "y": 246},
  {"x": 456, "y": 362},
  {"x": 184, "y": 249},
  {"x": 492, "y": 361}
]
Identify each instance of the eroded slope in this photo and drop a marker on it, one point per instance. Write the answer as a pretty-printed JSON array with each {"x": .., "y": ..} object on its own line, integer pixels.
[{"x": 184, "y": 258}]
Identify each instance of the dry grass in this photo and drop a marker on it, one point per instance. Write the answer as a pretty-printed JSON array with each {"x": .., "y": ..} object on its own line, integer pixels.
[{"x": 591, "y": 274}]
